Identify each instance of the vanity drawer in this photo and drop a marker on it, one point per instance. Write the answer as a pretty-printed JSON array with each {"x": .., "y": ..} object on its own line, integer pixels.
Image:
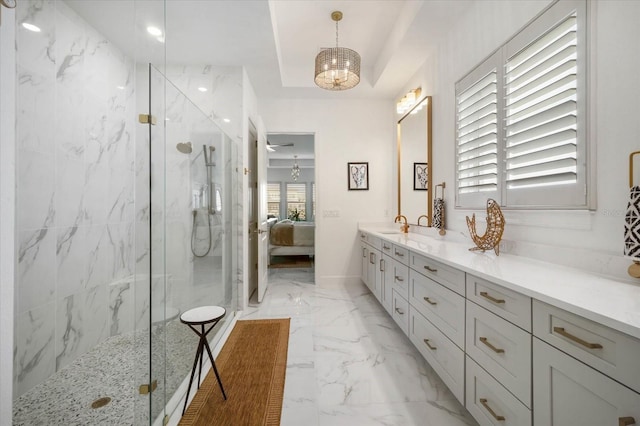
[
  {"x": 400, "y": 279},
  {"x": 444, "y": 308},
  {"x": 508, "y": 304},
  {"x": 400, "y": 312},
  {"x": 444, "y": 357},
  {"x": 490, "y": 403},
  {"x": 447, "y": 276},
  {"x": 609, "y": 351},
  {"x": 502, "y": 349},
  {"x": 400, "y": 254}
]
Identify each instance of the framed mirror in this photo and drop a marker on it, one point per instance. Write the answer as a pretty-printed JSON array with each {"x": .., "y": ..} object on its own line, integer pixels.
[{"x": 415, "y": 187}]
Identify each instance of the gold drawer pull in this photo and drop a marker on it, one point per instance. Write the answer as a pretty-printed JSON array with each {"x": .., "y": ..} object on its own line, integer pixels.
[
  {"x": 493, "y": 348},
  {"x": 430, "y": 269},
  {"x": 485, "y": 404},
  {"x": 399, "y": 254},
  {"x": 560, "y": 331},
  {"x": 385, "y": 247},
  {"x": 382, "y": 268},
  {"x": 400, "y": 311},
  {"x": 399, "y": 278},
  {"x": 626, "y": 421},
  {"x": 429, "y": 301},
  {"x": 426, "y": 342},
  {"x": 488, "y": 296}
]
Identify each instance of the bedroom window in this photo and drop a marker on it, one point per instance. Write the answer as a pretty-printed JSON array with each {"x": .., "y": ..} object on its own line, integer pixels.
[
  {"x": 521, "y": 118},
  {"x": 297, "y": 201},
  {"x": 273, "y": 199}
]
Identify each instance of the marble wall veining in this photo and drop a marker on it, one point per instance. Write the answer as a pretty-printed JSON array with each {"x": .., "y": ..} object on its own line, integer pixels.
[{"x": 75, "y": 188}]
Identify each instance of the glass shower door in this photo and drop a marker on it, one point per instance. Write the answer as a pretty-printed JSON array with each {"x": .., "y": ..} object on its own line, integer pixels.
[{"x": 193, "y": 249}]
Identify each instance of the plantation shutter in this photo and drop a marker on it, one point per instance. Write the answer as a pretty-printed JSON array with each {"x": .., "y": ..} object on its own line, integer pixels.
[
  {"x": 477, "y": 135},
  {"x": 273, "y": 199},
  {"x": 296, "y": 199},
  {"x": 521, "y": 134},
  {"x": 543, "y": 114}
]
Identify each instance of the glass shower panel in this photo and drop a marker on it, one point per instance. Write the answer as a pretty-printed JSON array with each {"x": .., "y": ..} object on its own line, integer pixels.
[{"x": 192, "y": 249}]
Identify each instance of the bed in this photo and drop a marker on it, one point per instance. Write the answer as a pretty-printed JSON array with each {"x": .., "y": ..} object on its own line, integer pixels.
[{"x": 289, "y": 238}]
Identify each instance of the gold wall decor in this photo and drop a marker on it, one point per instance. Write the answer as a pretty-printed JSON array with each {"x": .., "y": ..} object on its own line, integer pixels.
[{"x": 495, "y": 228}]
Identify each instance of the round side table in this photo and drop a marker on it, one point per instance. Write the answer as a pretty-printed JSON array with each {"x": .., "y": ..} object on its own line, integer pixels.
[{"x": 203, "y": 316}]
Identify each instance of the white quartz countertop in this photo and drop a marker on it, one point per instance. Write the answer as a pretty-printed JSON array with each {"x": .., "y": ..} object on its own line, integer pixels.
[{"x": 613, "y": 303}]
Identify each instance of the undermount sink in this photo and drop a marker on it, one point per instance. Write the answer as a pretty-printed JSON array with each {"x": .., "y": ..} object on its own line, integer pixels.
[{"x": 390, "y": 232}]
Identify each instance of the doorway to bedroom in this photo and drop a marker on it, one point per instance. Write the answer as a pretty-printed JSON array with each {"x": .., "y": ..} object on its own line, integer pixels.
[{"x": 291, "y": 200}]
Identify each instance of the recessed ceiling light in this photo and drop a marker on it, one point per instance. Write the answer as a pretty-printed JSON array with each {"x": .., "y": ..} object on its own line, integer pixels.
[
  {"x": 160, "y": 39},
  {"x": 154, "y": 31},
  {"x": 226, "y": 120},
  {"x": 202, "y": 89},
  {"x": 31, "y": 27},
  {"x": 120, "y": 87}
]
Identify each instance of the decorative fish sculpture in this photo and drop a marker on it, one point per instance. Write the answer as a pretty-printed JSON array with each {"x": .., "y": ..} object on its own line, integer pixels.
[{"x": 495, "y": 228}]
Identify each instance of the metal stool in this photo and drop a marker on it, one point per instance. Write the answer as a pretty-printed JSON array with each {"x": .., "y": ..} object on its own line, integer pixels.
[{"x": 202, "y": 316}]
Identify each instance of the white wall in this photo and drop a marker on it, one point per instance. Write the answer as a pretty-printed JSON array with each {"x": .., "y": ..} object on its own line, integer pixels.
[
  {"x": 580, "y": 238},
  {"x": 7, "y": 209},
  {"x": 345, "y": 131}
]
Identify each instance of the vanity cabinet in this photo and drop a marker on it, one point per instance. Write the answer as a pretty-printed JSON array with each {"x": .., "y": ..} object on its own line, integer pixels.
[
  {"x": 509, "y": 358},
  {"x": 568, "y": 392},
  {"x": 584, "y": 373}
]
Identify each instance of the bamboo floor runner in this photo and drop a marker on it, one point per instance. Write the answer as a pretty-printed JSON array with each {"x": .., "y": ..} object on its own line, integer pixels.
[{"x": 252, "y": 365}]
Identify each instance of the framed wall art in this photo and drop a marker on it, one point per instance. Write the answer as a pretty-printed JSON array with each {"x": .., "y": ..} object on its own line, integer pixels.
[
  {"x": 420, "y": 176},
  {"x": 358, "y": 176}
]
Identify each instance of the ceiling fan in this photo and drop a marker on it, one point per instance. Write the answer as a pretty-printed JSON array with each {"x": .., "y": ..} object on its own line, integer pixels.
[{"x": 271, "y": 146}]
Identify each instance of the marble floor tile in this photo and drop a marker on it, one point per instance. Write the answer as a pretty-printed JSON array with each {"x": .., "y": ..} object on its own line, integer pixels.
[{"x": 348, "y": 362}]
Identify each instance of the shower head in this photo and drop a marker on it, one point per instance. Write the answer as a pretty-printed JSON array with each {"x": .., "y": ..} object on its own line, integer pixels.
[{"x": 184, "y": 147}]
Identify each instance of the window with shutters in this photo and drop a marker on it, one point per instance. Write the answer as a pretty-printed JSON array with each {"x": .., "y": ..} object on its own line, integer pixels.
[
  {"x": 296, "y": 201},
  {"x": 520, "y": 118},
  {"x": 273, "y": 199}
]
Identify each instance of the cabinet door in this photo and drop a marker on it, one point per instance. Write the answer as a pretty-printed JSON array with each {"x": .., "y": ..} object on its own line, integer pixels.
[{"x": 568, "y": 392}]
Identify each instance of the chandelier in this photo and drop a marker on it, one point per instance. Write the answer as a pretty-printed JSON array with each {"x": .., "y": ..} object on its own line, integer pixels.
[
  {"x": 337, "y": 68},
  {"x": 295, "y": 170}
]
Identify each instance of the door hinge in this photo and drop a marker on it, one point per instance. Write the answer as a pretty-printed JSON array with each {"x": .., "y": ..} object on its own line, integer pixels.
[
  {"x": 146, "y": 119},
  {"x": 255, "y": 184},
  {"x": 165, "y": 421},
  {"x": 147, "y": 388}
]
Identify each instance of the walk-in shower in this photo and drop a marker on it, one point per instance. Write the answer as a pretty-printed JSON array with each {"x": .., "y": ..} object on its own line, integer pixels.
[{"x": 105, "y": 172}]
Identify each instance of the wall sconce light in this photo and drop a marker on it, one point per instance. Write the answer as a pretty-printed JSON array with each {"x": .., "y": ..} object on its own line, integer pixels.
[{"x": 408, "y": 101}]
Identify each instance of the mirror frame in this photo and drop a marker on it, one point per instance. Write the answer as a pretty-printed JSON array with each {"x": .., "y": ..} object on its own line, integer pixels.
[{"x": 427, "y": 112}]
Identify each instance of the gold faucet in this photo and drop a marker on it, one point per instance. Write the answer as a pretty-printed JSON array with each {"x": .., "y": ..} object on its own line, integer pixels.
[
  {"x": 426, "y": 217},
  {"x": 404, "y": 228}
]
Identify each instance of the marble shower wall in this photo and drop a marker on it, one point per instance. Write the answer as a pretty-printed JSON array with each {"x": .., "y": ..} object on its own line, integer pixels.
[
  {"x": 223, "y": 99},
  {"x": 75, "y": 188}
]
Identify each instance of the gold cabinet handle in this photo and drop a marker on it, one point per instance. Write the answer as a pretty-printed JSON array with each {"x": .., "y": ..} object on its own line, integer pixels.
[
  {"x": 364, "y": 252},
  {"x": 426, "y": 342},
  {"x": 562, "y": 332},
  {"x": 429, "y": 301},
  {"x": 489, "y": 297},
  {"x": 363, "y": 236},
  {"x": 381, "y": 265},
  {"x": 400, "y": 311},
  {"x": 399, "y": 254},
  {"x": 485, "y": 404},
  {"x": 626, "y": 421},
  {"x": 400, "y": 279},
  {"x": 493, "y": 348},
  {"x": 385, "y": 247},
  {"x": 430, "y": 269}
]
